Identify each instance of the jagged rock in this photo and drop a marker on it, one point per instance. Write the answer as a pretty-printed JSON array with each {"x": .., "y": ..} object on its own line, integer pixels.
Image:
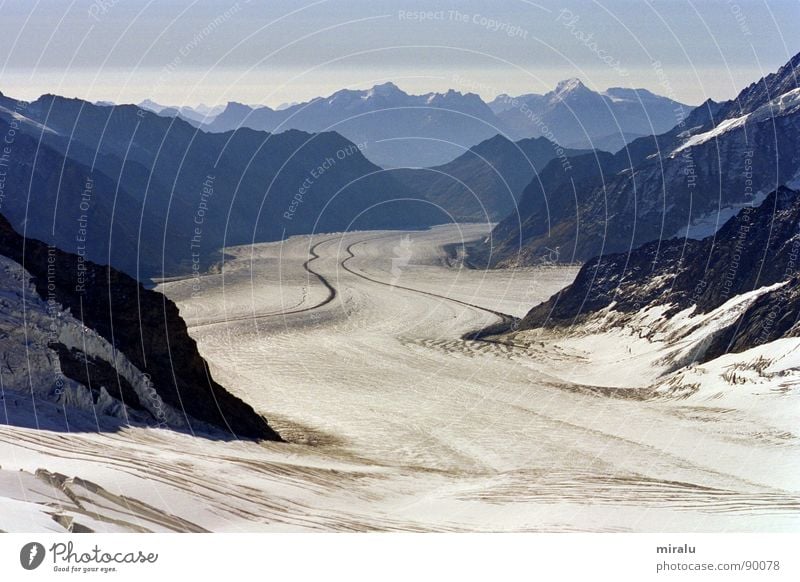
[
  {"x": 143, "y": 326},
  {"x": 758, "y": 248},
  {"x": 684, "y": 183}
]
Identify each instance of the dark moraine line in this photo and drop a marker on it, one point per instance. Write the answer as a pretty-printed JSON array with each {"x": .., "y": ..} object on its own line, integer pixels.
[
  {"x": 307, "y": 266},
  {"x": 506, "y": 321}
]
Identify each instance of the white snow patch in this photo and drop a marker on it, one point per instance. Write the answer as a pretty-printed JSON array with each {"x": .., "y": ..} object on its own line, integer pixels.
[
  {"x": 399, "y": 424},
  {"x": 721, "y": 128},
  {"x": 22, "y": 119},
  {"x": 710, "y": 223},
  {"x": 782, "y": 105}
]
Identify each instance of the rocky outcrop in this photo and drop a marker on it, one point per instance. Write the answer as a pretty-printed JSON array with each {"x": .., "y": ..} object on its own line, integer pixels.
[
  {"x": 684, "y": 183},
  {"x": 773, "y": 315},
  {"x": 145, "y": 343},
  {"x": 757, "y": 250}
]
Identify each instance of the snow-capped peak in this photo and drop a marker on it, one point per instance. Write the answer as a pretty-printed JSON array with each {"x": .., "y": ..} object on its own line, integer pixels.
[
  {"x": 788, "y": 103},
  {"x": 569, "y": 86},
  {"x": 387, "y": 89}
]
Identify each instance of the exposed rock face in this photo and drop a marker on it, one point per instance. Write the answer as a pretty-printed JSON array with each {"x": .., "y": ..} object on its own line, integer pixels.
[
  {"x": 429, "y": 130},
  {"x": 758, "y": 249},
  {"x": 575, "y": 116},
  {"x": 136, "y": 355},
  {"x": 400, "y": 130},
  {"x": 485, "y": 183},
  {"x": 128, "y": 178},
  {"x": 684, "y": 183},
  {"x": 773, "y": 315}
]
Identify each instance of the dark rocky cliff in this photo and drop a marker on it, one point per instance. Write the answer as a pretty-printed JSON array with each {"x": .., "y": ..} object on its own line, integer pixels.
[
  {"x": 757, "y": 248},
  {"x": 684, "y": 183},
  {"x": 143, "y": 325}
]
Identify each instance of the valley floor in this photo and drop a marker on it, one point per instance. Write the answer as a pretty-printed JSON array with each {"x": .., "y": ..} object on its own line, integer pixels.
[{"x": 351, "y": 345}]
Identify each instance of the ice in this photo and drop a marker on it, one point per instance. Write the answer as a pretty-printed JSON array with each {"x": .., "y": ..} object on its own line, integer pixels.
[
  {"x": 710, "y": 223},
  {"x": 782, "y": 105},
  {"x": 396, "y": 422}
]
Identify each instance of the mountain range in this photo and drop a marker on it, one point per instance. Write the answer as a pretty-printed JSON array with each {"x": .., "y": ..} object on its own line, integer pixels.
[
  {"x": 403, "y": 130},
  {"x": 751, "y": 264},
  {"x": 683, "y": 183},
  {"x": 154, "y": 196},
  {"x": 399, "y": 130},
  {"x": 575, "y": 116},
  {"x": 194, "y": 192},
  {"x": 196, "y": 116}
]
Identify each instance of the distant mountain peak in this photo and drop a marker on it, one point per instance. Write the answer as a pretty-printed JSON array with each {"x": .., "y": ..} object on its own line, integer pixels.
[
  {"x": 151, "y": 105},
  {"x": 570, "y": 86},
  {"x": 384, "y": 90},
  {"x": 455, "y": 99},
  {"x": 628, "y": 93},
  {"x": 235, "y": 105},
  {"x": 496, "y": 139}
]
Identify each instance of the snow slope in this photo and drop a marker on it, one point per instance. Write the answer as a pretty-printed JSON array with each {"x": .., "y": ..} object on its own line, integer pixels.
[
  {"x": 352, "y": 346},
  {"x": 786, "y": 104}
]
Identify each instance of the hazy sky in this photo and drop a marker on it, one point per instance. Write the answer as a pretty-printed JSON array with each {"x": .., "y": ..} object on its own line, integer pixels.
[{"x": 272, "y": 51}]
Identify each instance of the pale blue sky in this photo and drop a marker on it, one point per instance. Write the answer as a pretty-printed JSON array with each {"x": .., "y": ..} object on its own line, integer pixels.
[{"x": 188, "y": 51}]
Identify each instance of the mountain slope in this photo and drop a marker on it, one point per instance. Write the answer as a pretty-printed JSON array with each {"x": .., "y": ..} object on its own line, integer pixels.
[
  {"x": 575, "y": 116},
  {"x": 195, "y": 116},
  {"x": 686, "y": 182},
  {"x": 751, "y": 265},
  {"x": 178, "y": 194},
  {"x": 91, "y": 338},
  {"x": 57, "y": 199},
  {"x": 399, "y": 130},
  {"x": 484, "y": 183}
]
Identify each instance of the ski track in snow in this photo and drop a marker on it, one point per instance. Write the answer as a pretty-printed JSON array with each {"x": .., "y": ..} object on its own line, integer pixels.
[{"x": 396, "y": 422}]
